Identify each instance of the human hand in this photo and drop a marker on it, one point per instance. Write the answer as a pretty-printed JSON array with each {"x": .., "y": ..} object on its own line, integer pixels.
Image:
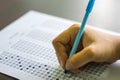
[{"x": 95, "y": 46}]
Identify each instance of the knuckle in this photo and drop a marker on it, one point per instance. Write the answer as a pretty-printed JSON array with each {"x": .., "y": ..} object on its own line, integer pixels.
[
  {"x": 75, "y": 26},
  {"x": 54, "y": 42}
]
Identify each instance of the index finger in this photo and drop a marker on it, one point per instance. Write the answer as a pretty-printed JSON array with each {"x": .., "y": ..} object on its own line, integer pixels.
[
  {"x": 63, "y": 43},
  {"x": 59, "y": 44}
]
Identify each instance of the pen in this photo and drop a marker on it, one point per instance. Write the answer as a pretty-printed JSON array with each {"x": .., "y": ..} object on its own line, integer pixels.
[{"x": 81, "y": 30}]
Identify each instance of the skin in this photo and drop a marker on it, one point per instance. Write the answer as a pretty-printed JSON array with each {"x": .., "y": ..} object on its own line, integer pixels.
[{"x": 95, "y": 46}]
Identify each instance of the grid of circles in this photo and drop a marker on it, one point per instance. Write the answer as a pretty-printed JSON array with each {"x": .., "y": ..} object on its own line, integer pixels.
[
  {"x": 46, "y": 71},
  {"x": 41, "y": 70},
  {"x": 95, "y": 69},
  {"x": 40, "y": 35},
  {"x": 35, "y": 49}
]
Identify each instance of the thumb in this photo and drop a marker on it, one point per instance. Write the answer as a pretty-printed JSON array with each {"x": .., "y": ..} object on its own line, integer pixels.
[{"x": 80, "y": 59}]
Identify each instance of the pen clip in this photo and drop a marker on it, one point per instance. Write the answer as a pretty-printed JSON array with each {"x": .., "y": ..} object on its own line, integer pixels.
[{"x": 90, "y": 6}]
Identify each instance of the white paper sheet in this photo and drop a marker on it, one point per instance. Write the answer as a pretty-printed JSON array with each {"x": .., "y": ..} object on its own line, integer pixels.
[{"x": 26, "y": 52}]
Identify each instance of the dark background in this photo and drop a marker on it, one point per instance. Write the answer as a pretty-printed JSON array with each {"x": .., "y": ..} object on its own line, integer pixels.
[{"x": 105, "y": 14}]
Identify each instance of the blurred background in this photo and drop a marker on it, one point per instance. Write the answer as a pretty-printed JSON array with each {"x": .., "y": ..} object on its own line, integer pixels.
[{"x": 105, "y": 14}]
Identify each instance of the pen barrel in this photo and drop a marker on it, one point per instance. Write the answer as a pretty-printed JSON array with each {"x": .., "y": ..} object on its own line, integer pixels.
[
  {"x": 90, "y": 6},
  {"x": 79, "y": 35}
]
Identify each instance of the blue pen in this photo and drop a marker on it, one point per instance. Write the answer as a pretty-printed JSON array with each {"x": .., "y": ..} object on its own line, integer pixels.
[{"x": 81, "y": 30}]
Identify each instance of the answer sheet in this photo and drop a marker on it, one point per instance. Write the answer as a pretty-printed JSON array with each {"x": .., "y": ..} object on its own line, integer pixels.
[{"x": 26, "y": 51}]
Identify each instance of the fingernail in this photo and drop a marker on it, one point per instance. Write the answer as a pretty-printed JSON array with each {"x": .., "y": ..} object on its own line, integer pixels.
[
  {"x": 69, "y": 65},
  {"x": 61, "y": 63}
]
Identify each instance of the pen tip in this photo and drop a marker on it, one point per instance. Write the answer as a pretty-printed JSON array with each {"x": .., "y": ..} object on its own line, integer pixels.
[{"x": 65, "y": 71}]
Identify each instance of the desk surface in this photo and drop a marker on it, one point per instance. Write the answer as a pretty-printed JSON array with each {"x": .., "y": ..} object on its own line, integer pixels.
[{"x": 106, "y": 13}]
